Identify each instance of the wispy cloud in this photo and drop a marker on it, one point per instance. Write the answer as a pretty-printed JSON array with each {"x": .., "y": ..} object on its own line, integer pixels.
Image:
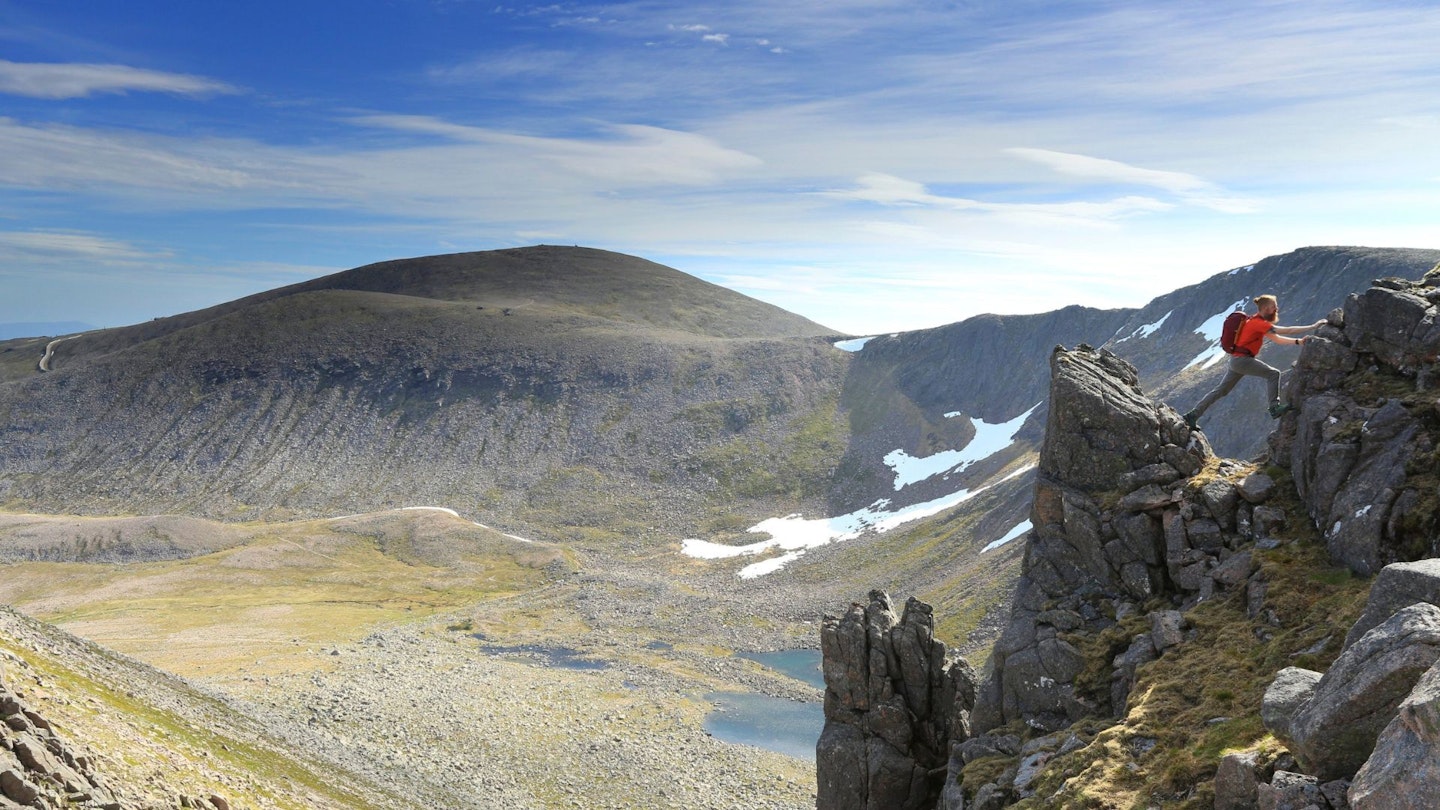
[
  {"x": 1188, "y": 187},
  {"x": 60, "y": 81},
  {"x": 894, "y": 191},
  {"x": 70, "y": 245}
]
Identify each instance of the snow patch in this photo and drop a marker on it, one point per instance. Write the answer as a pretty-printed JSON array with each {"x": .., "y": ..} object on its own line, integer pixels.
[
  {"x": 1019, "y": 529},
  {"x": 1148, "y": 329},
  {"x": 453, "y": 513},
  {"x": 1362, "y": 511},
  {"x": 854, "y": 345},
  {"x": 1210, "y": 330},
  {"x": 450, "y": 512},
  {"x": 794, "y": 534},
  {"x": 989, "y": 439},
  {"x": 1244, "y": 269}
]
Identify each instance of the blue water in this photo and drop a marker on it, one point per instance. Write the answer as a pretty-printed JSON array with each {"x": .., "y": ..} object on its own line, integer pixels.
[
  {"x": 802, "y": 665},
  {"x": 775, "y": 724},
  {"x": 561, "y": 657}
]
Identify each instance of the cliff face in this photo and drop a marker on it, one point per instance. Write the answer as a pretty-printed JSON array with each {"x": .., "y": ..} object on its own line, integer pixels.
[
  {"x": 1121, "y": 518},
  {"x": 1361, "y": 440}
]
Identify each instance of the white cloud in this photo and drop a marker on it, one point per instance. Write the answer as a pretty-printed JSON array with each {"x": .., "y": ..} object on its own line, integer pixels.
[
  {"x": 1187, "y": 186},
  {"x": 60, "y": 81},
  {"x": 1091, "y": 168},
  {"x": 887, "y": 190},
  {"x": 471, "y": 167},
  {"x": 52, "y": 245}
]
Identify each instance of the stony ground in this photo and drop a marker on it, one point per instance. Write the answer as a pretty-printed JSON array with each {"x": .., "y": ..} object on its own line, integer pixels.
[
  {"x": 425, "y": 710},
  {"x": 433, "y": 711},
  {"x": 450, "y": 710}
]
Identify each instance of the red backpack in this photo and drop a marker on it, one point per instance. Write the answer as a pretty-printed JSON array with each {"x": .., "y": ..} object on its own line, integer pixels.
[{"x": 1230, "y": 331}]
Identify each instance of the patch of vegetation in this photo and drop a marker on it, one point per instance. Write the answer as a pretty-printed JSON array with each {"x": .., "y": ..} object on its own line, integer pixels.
[
  {"x": 800, "y": 466},
  {"x": 258, "y": 604},
  {"x": 1378, "y": 383},
  {"x": 1202, "y": 698}
]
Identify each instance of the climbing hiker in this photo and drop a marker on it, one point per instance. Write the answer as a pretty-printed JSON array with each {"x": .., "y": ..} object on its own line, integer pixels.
[{"x": 1249, "y": 334}]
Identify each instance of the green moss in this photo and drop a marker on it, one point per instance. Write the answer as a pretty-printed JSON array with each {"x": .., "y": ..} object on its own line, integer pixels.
[{"x": 1202, "y": 698}]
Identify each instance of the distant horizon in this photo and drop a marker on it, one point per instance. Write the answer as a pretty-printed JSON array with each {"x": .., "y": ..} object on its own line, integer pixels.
[
  {"x": 57, "y": 328},
  {"x": 873, "y": 166}
]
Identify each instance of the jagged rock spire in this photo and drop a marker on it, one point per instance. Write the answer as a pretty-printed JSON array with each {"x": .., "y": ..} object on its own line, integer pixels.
[{"x": 1105, "y": 442}]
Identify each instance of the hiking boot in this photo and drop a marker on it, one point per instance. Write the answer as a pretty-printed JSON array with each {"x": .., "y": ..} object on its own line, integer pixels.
[
  {"x": 1191, "y": 420},
  {"x": 1278, "y": 409}
]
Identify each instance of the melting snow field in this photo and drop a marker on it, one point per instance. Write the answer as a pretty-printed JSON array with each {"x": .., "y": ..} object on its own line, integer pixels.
[
  {"x": 1148, "y": 329},
  {"x": 989, "y": 440},
  {"x": 1020, "y": 528},
  {"x": 794, "y": 534},
  {"x": 853, "y": 345}
]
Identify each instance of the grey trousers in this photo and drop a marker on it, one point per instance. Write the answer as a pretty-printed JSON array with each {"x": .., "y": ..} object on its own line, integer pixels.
[{"x": 1241, "y": 366}]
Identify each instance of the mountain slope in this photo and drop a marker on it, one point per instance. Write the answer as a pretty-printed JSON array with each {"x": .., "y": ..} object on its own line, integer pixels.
[
  {"x": 537, "y": 387},
  {"x": 151, "y": 739}
]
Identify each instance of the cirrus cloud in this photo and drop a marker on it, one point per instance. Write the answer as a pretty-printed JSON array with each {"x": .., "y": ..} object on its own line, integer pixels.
[{"x": 74, "y": 80}]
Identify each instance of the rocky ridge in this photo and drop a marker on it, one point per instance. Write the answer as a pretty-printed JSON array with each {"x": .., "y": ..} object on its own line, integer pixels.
[{"x": 1133, "y": 515}]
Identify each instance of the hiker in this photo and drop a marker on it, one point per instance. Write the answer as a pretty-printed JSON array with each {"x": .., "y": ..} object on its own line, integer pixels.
[{"x": 1244, "y": 360}]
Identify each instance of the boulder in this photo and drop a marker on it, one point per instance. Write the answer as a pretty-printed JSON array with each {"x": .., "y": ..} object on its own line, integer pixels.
[
  {"x": 1235, "y": 571},
  {"x": 1385, "y": 322},
  {"x": 1221, "y": 499},
  {"x": 1397, "y": 586},
  {"x": 1290, "y": 692},
  {"x": 1237, "y": 782},
  {"x": 1256, "y": 488},
  {"x": 1290, "y": 791},
  {"x": 1166, "y": 629},
  {"x": 1335, "y": 731},
  {"x": 1403, "y": 772}
]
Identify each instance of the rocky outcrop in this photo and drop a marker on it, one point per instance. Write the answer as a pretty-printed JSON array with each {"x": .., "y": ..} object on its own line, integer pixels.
[
  {"x": 1120, "y": 518},
  {"x": 1398, "y": 586},
  {"x": 1403, "y": 772},
  {"x": 894, "y": 706},
  {"x": 1377, "y": 709},
  {"x": 1358, "y": 433},
  {"x": 1333, "y": 729},
  {"x": 39, "y": 768}
]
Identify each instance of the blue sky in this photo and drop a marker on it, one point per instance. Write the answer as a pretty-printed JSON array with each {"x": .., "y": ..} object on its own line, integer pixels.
[{"x": 875, "y": 165}]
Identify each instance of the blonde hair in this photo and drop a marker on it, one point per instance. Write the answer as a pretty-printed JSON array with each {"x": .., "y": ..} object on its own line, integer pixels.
[{"x": 1261, "y": 300}]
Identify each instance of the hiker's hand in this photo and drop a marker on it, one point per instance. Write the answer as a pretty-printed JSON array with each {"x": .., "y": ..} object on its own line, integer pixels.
[{"x": 1319, "y": 323}]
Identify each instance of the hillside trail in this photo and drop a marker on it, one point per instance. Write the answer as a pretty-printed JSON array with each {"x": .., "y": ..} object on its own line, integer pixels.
[{"x": 50, "y": 351}]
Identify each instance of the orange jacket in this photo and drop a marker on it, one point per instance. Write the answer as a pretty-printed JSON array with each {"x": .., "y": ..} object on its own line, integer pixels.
[{"x": 1252, "y": 335}]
